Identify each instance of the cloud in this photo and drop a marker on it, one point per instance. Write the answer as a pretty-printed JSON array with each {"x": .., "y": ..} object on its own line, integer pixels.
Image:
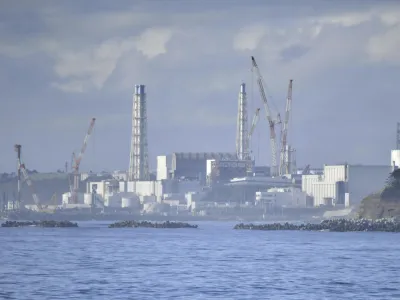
[
  {"x": 390, "y": 17},
  {"x": 14, "y": 51},
  {"x": 70, "y": 87},
  {"x": 385, "y": 47},
  {"x": 152, "y": 42},
  {"x": 91, "y": 67},
  {"x": 294, "y": 52},
  {"x": 249, "y": 37},
  {"x": 347, "y": 19},
  {"x": 192, "y": 61}
]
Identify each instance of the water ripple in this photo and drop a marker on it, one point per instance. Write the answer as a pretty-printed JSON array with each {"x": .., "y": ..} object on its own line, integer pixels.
[{"x": 214, "y": 262}]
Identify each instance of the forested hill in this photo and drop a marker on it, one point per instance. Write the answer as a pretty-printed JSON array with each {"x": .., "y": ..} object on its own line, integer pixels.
[{"x": 384, "y": 204}]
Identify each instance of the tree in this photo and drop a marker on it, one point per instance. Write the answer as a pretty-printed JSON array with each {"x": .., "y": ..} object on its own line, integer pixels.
[
  {"x": 393, "y": 181},
  {"x": 392, "y": 188}
]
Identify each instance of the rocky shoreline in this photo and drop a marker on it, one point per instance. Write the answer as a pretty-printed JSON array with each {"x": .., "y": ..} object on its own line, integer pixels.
[
  {"x": 337, "y": 225},
  {"x": 147, "y": 224},
  {"x": 50, "y": 224}
]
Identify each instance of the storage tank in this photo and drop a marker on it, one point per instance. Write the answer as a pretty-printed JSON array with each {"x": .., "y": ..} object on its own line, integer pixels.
[
  {"x": 130, "y": 202},
  {"x": 87, "y": 199}
]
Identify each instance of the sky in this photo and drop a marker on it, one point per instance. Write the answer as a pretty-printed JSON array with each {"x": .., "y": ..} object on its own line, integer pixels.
[{"x": 63, "y": 63}]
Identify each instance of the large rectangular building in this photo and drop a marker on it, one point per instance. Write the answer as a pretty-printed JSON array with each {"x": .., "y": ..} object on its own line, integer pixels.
[
  {"x": 224, "y": 170},
  {"x": 194, "y": 165},
  {"x": 358, "y": 181}
]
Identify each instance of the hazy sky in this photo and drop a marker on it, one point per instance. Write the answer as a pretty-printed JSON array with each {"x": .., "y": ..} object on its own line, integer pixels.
[{"x": 65, "y": 62}]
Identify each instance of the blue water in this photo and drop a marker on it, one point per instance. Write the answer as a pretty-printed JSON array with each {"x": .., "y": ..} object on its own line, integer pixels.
[{"x": 212, "y": 262}]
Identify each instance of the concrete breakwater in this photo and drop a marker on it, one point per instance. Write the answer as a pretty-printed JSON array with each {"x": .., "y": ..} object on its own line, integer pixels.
[
  {"x": 39, "y": 224},
  {"x": 338, "y": 225},
  {"x": 147, "y": 224}
]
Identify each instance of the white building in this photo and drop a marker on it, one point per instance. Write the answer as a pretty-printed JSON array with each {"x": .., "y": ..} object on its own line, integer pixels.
[
  {"x": 283, "y": 197},
  {"x": 103, "y": 188},
  {"x": 66, "y": 198},
  {"x": 357, "y": 181},
  {"x": 261, "y": 181},
  {"x": 395, "y": 159},
  {"x": 143, "y": 188},
  {"x": 120, "y": 175},
  {"x": 308, "y": 180},
  {"x": 162, "y": 167}
]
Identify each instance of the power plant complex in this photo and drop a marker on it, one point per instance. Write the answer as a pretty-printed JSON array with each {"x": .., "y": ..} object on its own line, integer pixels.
[{"x": 212, "y": 183}]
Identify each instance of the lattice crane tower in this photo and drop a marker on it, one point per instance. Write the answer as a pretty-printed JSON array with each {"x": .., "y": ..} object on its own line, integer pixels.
[
  {"x": 242, "y": 141},
  {"x": 139, "y": 159}
]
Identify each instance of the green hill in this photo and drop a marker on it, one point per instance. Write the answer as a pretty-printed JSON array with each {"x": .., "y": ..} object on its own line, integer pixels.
[{"x": 384, "y": 204}]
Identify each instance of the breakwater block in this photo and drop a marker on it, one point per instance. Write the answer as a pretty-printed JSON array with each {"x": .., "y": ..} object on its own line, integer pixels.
[
  {"x": 337, "y": 225},
  {"x": 39, "y": 224},
  {"x": 146, "y": 224}
]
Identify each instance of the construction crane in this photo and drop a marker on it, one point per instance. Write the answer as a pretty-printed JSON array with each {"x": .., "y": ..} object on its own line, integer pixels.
[
  {"x": 306, "y": 170},
  {"x": 77, "y": 162},
  {"x": 71, "y": 187},
  {"x": 271, "y": 121},
  {"x": 29, "y": 182},
  {"x": 253, "y": 124},
  {"x": 53, "y": 201},
  {"x": 22, "y": 170},
  {"x": 284, "y": 155}
]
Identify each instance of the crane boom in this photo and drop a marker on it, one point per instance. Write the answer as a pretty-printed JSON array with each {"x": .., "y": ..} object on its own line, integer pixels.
[
  {"x": 284, "y": 155},
  {"x": 254, "y": 122},
  {"x": 78, "y": 160},
  {"x": 306, "y": 170},
  {"x": 272, "y": 122},
  {"x": 30, "y": 184},
  {"x": 71, "y": 187}
]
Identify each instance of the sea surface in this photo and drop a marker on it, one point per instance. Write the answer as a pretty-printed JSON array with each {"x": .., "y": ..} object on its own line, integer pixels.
[{"x": 211, "y": 262}]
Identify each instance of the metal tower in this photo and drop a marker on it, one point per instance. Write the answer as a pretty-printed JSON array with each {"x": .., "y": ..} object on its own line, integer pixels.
[
  {"x": 398, "y": 136},
  {"x": 242, "y": 140},
  {"x": 138, "y": 163}
]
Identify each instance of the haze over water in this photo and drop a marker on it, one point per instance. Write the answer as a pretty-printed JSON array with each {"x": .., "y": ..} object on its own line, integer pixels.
[{"x": 212, "y": 262}]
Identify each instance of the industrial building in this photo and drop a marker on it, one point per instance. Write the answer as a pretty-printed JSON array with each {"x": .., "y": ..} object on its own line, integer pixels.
[
  {"x": 344, "y": 184},
  {"x": 347, "y": 184},
  {"x": 282, "y": 197},
  {"x": 193, "y": 166},
  {"x": 395, "y": 155},
  {"x": 211, "y": 166},
  {"x": 395, "y": 159},
  {"x": 220, "y": 171}
]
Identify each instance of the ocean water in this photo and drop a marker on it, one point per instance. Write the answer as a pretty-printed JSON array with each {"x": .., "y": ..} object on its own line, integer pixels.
[{"x": 211, "y": 262}]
